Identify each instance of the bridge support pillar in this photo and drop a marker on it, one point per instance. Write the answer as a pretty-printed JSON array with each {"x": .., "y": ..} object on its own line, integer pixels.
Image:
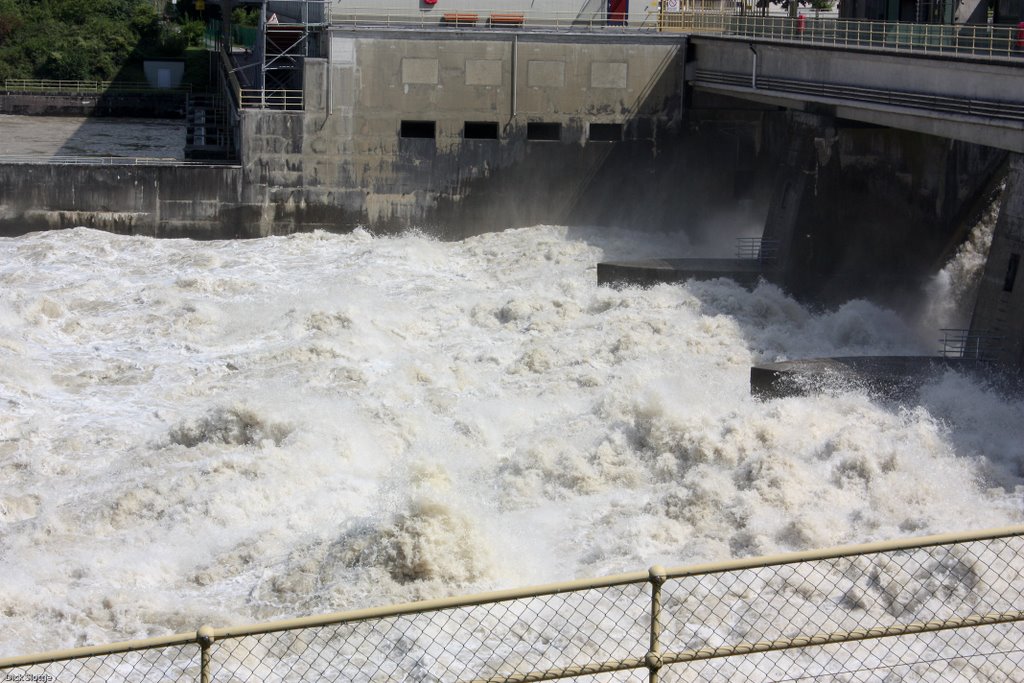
[
  {"x": 998, "y": 319},
  {"x": 868, "y": 212},
  {"x": 784, "y": 220}
]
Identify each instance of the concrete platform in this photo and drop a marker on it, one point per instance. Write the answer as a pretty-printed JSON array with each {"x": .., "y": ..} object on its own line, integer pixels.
[
  {"x": 746, "y": 272},
  {"x": 890, "y": 377}
]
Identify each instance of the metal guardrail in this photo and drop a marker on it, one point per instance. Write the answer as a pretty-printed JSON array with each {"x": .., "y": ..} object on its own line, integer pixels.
[
  {"x": 946, "y": 607},
  {"x": 468, "y": 17},
  {"x": 254, "y": 98},
  {"x": 975, "y": 40},
  {"x": 756, "y": 248},
  {"x": 101, "y": 160},
  {"x": 43, "y": 85},
  {"x": 959, "y": 343},
  {"x": 701, "y": 17}
]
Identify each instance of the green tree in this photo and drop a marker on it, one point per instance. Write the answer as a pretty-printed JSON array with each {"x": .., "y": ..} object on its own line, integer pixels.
[{"x": 76, "y": 39}]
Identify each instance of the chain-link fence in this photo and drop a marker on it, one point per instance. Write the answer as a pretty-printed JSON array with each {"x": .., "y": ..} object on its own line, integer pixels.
[{"x": 942, "y": 608}]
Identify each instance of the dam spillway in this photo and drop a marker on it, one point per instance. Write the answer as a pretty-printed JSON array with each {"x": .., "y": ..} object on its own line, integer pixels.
[
  {"x": 310, "y": 405},
  {"x": 235, "y": 431}
]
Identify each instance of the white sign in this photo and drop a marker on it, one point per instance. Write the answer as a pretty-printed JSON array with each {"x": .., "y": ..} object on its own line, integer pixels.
[{"x": 672, "y": 6}]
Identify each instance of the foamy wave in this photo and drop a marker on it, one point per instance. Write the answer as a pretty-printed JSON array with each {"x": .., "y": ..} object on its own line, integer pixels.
[
  {"x": 238, "y": 425},
  {"x": 229, "y": 431}
]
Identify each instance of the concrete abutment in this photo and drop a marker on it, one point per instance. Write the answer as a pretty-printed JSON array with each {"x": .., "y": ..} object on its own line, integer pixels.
[
  {"x": 864, "y": 211},
  {"x": 997, "y": 327}
]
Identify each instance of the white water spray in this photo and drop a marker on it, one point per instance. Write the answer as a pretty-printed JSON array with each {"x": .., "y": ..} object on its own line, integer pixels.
[{"x": 225, "y": 432}]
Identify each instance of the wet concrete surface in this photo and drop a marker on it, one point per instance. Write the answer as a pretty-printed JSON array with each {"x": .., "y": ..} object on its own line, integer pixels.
[{"x": 49, "y": 136}]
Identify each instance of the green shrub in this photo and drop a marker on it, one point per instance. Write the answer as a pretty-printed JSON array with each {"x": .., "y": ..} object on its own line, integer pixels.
[
  {"x": 193, "y": 30},
  {"x": 249, "y": 18}
]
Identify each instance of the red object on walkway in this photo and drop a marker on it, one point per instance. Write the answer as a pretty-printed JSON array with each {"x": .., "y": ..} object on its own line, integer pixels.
[
  {"x": 1020, "y": 35},
  {"x": 618, "y": 12},
  {"x": 801, "y": 23},
  {"x": 429, "y": 2}
]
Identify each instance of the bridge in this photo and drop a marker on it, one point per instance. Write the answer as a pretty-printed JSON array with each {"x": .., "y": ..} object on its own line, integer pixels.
[{"x": 967, "y": 97}]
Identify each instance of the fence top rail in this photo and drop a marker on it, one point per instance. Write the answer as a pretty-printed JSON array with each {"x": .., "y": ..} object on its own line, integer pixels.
[
  {"x": 846, "y": 551},
  {"x": 982, "y": 43},
  {"x": 35, "y": 84},
  {"x": 103, "y": 161},
  {"x": 468, "y": 17},
  {"x": 207, "y": 634}
]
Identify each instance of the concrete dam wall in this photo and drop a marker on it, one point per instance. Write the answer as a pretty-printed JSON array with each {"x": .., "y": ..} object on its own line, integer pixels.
[
  {"x": 446, "y": 131},
  {"x": 460, "y": 133},
  {"x": 160, "y": 201},
  {"x": 463, "y": 132}
]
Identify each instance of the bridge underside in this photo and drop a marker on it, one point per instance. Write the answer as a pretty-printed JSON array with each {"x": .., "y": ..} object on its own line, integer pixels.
[
  {"x": 977, "y": 101},
  {"x": 890, "y": 159}
]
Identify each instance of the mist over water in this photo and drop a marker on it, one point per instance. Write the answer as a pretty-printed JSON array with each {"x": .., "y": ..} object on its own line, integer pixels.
[{"x": 224, "y": 432}]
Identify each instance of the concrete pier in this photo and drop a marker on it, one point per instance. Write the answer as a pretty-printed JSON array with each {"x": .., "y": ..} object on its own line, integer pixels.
[
  {"x": 746, "y": 272},
  {"x": 998, "y": 321},
  {"x": 887, "y": 377}
]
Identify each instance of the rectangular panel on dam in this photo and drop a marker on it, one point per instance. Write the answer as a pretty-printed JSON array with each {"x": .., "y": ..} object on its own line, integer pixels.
[
  {"x": 483, "y": 72},
  {"x": 546, "y": 74},
  {"x": 419, "y": 71},
  {"x": 609, "y": 74}
]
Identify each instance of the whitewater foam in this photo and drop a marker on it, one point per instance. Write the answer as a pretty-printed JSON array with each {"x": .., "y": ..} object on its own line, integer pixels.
[{"x": 225, "y": 432}]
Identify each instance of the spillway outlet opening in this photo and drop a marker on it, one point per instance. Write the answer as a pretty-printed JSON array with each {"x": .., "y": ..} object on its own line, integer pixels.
[
  {"x": 480, "y": 130},
  {"x": 605, "y": 132},
  {"x": 543, "y": 131},
  {"x": 419, "y": 129}
]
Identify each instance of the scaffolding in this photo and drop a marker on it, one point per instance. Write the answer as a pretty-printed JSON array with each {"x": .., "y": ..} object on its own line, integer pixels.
[{"x": 270, "y": 72}]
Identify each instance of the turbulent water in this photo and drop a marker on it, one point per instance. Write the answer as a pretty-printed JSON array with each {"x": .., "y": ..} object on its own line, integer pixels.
[{"x": 224, "y": 432}]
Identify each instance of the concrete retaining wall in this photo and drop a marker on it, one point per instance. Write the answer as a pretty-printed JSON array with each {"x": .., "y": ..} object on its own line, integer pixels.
[{"x": 161, "y": 201}]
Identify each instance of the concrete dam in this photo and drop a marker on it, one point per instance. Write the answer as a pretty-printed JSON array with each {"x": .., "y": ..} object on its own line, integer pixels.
[
  {"x": 412, "y": 385},
  {"x": 853, "y": 167}
]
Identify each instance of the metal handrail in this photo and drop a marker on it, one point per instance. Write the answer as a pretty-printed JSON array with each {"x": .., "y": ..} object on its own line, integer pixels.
[
  {"x": 47, "y": 85},
  {"x": 205, "y": 636},
  {"x": 998, "y": 41},
  {"x": 968, "y": 40},
  {"x": 469, "y": 17},
  {"x": 100, "y": 160},
  {"x": 254, "y": 98},
  {"x": 960, "y": 343},
  {"x": 757, "y": 248}
]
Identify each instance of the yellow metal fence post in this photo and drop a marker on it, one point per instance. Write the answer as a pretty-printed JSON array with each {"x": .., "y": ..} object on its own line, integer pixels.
[
  {"x": 657, "y": 576},
  {"x": 205, "y": 637}
]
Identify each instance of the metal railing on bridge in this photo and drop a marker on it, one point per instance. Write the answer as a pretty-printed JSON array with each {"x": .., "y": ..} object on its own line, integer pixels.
[
  {"x": 976, "y": 40},
  {"x": 968, "y": 106},
  {"x": 946, "y": 608}
]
